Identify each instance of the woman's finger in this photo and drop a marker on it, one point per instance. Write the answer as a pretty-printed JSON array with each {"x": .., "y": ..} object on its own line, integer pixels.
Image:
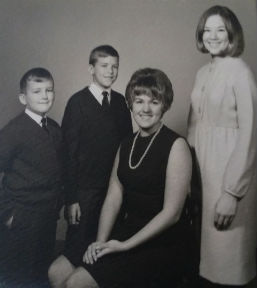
[
  {"x": 90, "y": 253},
  {"x": 94, "y": 252},
  {"x": 103, "y": 252},
  {"x": 226, "y": 222},
  {"x": 231, "y": 218},
  {"x": 219, "y": 221},
  {"x": 85, "y": 257}
]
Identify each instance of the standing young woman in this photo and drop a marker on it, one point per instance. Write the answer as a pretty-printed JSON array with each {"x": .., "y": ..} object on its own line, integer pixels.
[{"x": 222, "y": 129}]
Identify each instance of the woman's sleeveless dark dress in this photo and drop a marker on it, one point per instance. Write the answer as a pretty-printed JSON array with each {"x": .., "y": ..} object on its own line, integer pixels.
[{"x": 143, "y": 199}]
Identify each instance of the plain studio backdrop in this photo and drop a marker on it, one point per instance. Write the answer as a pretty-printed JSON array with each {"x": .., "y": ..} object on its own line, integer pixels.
[{"x": 59, "y": 35}]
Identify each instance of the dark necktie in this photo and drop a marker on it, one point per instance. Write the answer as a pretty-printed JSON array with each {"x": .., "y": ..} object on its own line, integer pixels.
[
  {"x": 44, "y": 126},
  {"x": 105, "y": 101}
]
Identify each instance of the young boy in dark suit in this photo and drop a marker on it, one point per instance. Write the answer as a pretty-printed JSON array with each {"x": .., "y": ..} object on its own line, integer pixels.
[
  {"x": 31, "y": 152},
  {"x": 95, "y": 121}
]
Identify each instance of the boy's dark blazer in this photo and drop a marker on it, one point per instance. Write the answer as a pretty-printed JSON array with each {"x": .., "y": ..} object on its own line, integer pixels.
[
  {"x": 32, "y": 165},
  {"x": 92, "y": 138}
]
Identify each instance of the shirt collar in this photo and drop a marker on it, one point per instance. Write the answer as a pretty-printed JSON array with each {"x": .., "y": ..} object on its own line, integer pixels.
[
  {"x": 97, "y": 92},
  {"x": 34, "y": 116}
]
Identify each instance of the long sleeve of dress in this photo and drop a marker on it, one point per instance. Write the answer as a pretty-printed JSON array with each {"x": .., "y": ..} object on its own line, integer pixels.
[
  {"x": 191, "y": 127},
  {"x": 241, "y": 165},
  {"x": 191, "y": 123}
]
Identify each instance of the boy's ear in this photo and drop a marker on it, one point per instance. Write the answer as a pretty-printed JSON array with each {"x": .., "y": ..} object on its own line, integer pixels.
[
  {"x": 91, "y": 69},
  {"x": 22, "y": 99}
]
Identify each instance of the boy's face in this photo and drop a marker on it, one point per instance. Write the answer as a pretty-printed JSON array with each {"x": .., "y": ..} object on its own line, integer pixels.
[
  {"x": 105, "y": 71},
  {"x": 39, "y": 96}
]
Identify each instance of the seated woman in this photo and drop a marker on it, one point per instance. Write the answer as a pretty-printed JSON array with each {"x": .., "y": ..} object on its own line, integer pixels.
[{"x": 142, "y": 226}]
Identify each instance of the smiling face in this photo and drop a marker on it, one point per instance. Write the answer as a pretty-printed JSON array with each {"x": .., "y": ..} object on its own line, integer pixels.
[
  {"x": 215, "y": 36},
  {"x": 105, "y": 71},
  {"x": 147, "y": 112},
  {"x": 38, "y": 96}
]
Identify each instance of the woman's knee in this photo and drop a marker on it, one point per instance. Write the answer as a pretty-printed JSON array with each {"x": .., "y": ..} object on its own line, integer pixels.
[
  {"x": 60, "y": 270},
  {"x": 54, "y": 269},
  {"x": 80, "y": 278}
]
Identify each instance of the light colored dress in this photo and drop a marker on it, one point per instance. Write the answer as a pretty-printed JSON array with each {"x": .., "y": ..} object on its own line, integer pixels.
[{"x": 222, "y": 129}]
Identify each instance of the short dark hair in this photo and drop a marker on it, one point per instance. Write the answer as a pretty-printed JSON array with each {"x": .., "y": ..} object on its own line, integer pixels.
[
  {"x": 232, "y": 25},
  {"x": 37, "y": 74},
  {"x": 102, "y": 51},
  {"x": 151, "y": 82}
]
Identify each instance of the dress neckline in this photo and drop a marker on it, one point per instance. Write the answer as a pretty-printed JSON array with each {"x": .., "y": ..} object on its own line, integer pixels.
[{"x": 148, "y": 137}]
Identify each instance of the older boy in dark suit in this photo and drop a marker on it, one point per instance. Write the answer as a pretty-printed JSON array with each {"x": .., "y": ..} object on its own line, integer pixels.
[
  {"x": 31, "y": 163},
  {"x": 95, "y": 121}
]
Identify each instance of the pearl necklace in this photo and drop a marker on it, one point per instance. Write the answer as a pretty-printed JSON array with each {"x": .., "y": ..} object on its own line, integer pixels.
[{"x": 146, "y": 150}]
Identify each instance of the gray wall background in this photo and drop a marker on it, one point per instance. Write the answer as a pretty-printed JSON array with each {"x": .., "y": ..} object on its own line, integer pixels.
[{"x": 59, "y": 35}]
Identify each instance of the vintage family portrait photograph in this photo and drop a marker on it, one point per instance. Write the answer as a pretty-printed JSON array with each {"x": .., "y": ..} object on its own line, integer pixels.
[{"x": 128, "y": 143}]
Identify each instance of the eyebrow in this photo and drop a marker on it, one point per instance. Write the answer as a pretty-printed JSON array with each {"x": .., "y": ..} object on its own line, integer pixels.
[{"x": 220, "y": 26}]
